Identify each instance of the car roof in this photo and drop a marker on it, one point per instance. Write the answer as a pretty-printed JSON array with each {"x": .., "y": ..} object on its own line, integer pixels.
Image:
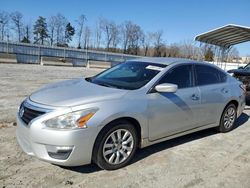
[
  {"x": 162, "y": 60},
  {"x": 168, "y": 61}
]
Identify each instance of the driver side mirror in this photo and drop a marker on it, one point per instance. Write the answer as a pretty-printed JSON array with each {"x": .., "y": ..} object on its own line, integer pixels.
[
  {"x": 241, "y": 68},
  {"x": 166, "y": 88}
]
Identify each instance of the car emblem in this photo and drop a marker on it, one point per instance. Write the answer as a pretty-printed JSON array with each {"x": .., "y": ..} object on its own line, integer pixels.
[{"x": 21, "y": 112}]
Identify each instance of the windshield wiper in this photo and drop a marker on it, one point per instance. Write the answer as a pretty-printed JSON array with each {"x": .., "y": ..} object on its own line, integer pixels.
[
  {"x": 103, "y": 84},
  {"x": 109, "y": 85},
  {"x": 89, "y": 79}
]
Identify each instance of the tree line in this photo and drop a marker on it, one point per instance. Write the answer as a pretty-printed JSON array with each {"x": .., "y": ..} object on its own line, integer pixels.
[{"x": 127, "y": 37}]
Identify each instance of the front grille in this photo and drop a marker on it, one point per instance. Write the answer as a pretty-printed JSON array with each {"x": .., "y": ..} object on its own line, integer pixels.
[{"x": 27, "y": 114}]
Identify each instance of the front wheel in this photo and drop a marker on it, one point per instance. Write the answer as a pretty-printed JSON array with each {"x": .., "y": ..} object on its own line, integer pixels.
[
  {"x": 228, "y": 119},
  {"x": 117, "y": 146}
]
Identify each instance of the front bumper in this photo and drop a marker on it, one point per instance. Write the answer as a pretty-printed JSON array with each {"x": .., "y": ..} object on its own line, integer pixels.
[{"x": 38, "y": 141}]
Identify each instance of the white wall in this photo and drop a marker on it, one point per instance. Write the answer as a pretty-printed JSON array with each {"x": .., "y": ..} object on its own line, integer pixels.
[{"x": 228, "y": 66}]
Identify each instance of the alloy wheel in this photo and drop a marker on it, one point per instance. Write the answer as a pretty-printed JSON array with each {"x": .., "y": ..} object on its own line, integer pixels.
[
  {"x": 229, "y": 118},
  {"x": 118, "y": 146}
]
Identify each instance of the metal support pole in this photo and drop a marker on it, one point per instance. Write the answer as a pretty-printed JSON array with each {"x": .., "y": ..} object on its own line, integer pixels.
[
  {"x": 41, "y": 63},
  {"x": 200, "y": 56},
  {"x": 86, "y": 54},
  {"x": 39, "y": 55},
  {"x": 64, "y": 54},
  {"x": 226, "y": 56},
  {"x": 8, "y": 44},
  {"x": 222, "y": 57},
  {"x": 217, "y": 54}
]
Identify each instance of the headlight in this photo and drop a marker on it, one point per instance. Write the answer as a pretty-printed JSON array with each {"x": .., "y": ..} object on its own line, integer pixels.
[{"x": 73, "y": 120}]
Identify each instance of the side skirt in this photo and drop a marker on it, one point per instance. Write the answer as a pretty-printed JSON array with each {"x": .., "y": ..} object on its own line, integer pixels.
[{"x": 146, "y": 142}]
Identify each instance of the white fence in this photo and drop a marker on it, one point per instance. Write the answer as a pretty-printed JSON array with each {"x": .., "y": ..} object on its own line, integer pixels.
[
  {"x": 228, "y": 66},
  {"x": 30, "y": 53}
]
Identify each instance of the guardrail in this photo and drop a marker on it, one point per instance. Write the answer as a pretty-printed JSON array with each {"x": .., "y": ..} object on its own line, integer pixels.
[{"x": 32, "y": 53}]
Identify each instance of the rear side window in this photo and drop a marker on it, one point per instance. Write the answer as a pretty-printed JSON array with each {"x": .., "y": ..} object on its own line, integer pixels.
[
  {"x": 208, "y": 75},
  {"x": 181, "y": 76}
]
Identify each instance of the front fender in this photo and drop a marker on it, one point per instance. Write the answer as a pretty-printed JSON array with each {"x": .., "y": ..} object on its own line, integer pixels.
[{"x": 140, "y": 118}]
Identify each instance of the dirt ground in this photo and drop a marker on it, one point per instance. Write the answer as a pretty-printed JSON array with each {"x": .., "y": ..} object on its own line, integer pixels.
[{"x": 203, "y": 159}]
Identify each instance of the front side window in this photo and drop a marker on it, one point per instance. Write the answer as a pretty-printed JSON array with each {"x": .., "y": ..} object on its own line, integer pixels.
[
  {"x": 208, "y": 75},
  {"x": 247, "y": 67},
  {"x": 181, "y": 76},
  {"x": 128, "y": 75}
]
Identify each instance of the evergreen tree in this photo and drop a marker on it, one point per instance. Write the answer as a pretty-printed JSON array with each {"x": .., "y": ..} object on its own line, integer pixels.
[
  {"x": 26, "y": 38},
  {"x": 40, "y": 30},
  {"x": 209, "y": 55},
  {"x": 69, "y": 32}
]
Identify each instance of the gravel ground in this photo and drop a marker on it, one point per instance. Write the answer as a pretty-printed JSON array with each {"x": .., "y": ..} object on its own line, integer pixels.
[{"x": 203, "y": 159}]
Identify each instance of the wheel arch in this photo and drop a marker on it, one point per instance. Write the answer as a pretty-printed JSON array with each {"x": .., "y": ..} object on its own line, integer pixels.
[
  {"x": 125, "y": 119},
  {"x": 233, "y": 101},
  {"x": 221, "y": 127}
]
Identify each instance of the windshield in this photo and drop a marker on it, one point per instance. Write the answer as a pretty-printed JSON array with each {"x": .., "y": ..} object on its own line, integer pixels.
[
  {"x": 247, "y": 67},
  {"x": 128, "y": 75}
]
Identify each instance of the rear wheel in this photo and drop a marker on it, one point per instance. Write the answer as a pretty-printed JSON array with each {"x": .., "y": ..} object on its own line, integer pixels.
[
  {"x": 228, "y": 118},
  {"x": 116, "y": 146}
]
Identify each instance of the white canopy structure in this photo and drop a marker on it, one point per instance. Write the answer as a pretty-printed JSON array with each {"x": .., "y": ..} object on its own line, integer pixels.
[
  {"x": 226, "y": 36},
  {"x": 223, "y": 39}
]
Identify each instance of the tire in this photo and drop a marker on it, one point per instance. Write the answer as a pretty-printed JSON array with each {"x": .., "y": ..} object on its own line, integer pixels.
[
  {"x": 112, "y": 151},
  {"x": 228, "y": 118}
]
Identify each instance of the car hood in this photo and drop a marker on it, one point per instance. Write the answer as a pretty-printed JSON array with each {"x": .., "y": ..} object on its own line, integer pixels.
[
  {"x": 240, "y": 72},
  {"x": 73, "y": 93}
]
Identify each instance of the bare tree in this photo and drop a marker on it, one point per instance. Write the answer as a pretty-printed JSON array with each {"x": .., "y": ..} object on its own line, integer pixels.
[
  {"x": 158, "y": 42},
  {"x": 115, "y": 35},
  {"x": 127, "y": 37},
  {"x": 206, "y": 51},
  {"x": 173, "y": 51},
  {"x": 60, "y": 30},
  {"x": 27, "y": 35},
  {"x": 60, "y": 25},
  {"x": 146, "y": 42},
  {"x": 233, "y": 53},
  {"x": 125, "y": 32},
  {"x": 4, "y": 20},
  {"x": 16, "y": 18},
  {"x": 86, "y": 37},
  {"x": 81, "y": 21},
  {"x": 52, "y": 27},
  {"x": 132, "y": 37},
  {"x": 105, "y": 26},
  {"x": 111, "y": 33},
  {"x": 98, "y": 34},
  {"x": 189, "y": 49}
]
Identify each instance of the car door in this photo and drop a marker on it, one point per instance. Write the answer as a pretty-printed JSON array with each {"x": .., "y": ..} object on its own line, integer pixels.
[
  {"x": 170, "y": 113},
  {"x": 214, "y": 92}
]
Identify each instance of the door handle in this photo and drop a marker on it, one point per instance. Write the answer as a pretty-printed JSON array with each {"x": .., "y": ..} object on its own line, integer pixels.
[
  {"x": 223, "y": 90},
  {"x": 195, "y": 97}
]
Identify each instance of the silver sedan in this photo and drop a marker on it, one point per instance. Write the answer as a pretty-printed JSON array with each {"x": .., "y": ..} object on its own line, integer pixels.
[{"x": 105, "y": 118}]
